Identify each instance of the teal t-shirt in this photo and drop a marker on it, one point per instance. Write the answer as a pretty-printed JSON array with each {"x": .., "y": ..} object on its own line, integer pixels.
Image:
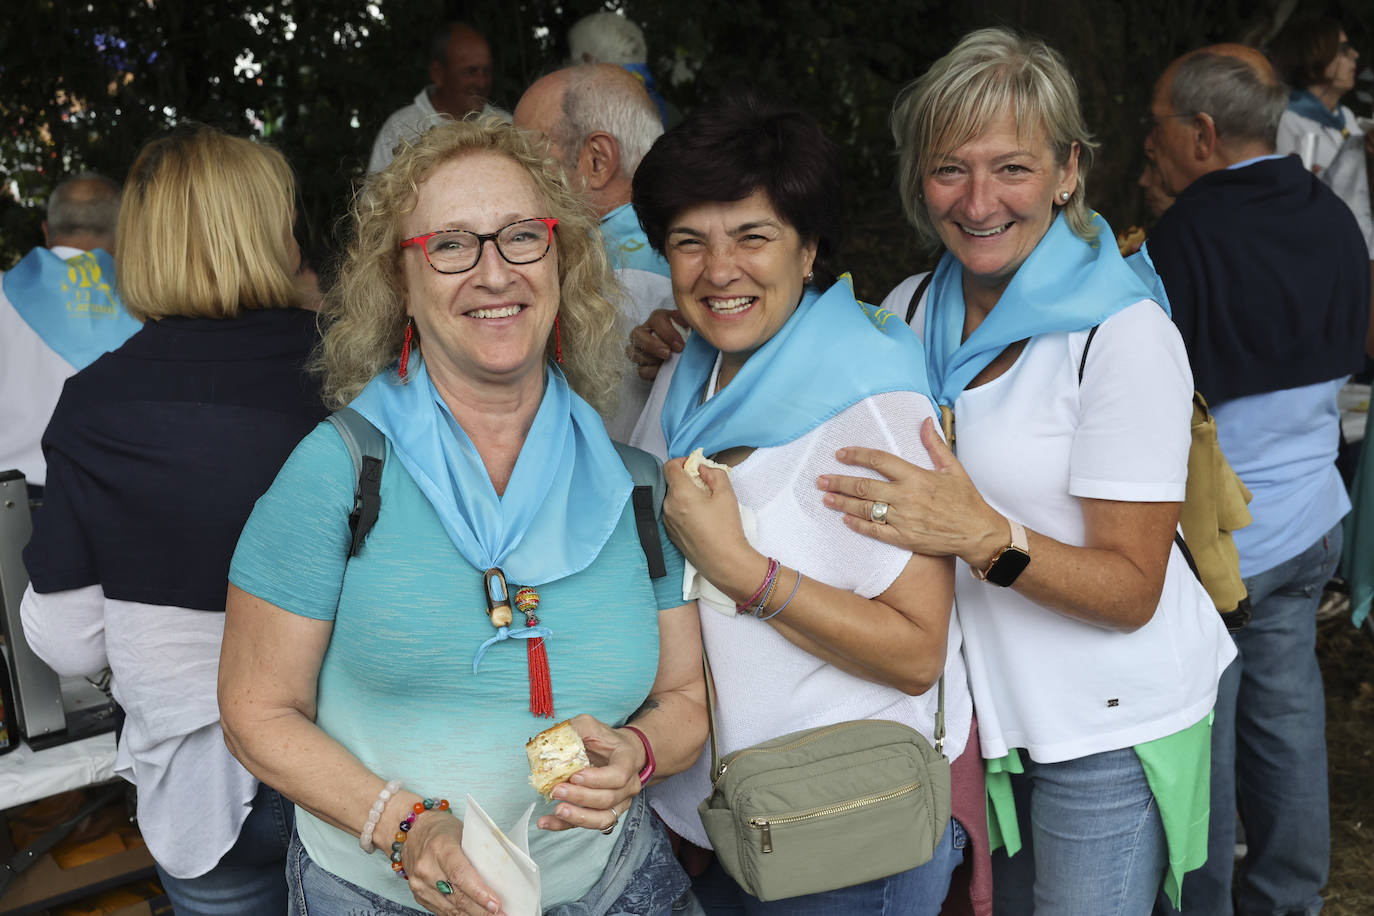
[{"x": 396, "y": 686}]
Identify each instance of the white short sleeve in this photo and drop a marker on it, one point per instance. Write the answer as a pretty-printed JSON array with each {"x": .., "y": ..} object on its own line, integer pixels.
[
  {"x": 795, "y": 526},
  {"x": 1135, "y": 409}
]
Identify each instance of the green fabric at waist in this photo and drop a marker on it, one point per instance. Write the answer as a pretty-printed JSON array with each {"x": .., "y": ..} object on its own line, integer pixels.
[{"x": 1178, "y": 770}]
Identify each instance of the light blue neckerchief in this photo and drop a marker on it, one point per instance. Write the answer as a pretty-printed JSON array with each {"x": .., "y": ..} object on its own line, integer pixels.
[
  {"x": 626, "y": 243},
  {"x": 833, "y": 352},
  {"x": 70, "y": 303},
  {"x": 563, "y": 501},
  {"x": 1066, "y": 284},
  {"x": 1301, "y": 102},
  {"x": 1144, "y": 267}
]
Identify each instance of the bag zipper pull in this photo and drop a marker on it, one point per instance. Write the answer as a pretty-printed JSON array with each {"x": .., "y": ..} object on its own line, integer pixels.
[{"x": 761, "y": 823}]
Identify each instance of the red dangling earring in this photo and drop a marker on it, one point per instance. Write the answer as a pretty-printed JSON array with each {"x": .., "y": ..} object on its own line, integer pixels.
[
  {"x": 557, "y": 341},
  {"x": 405, "y": 347}
]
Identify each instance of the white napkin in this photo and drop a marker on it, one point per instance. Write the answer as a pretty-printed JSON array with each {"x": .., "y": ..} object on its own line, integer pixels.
[
  {"x": 503, "y": 863},
  {"x": 694, "y": 584}
]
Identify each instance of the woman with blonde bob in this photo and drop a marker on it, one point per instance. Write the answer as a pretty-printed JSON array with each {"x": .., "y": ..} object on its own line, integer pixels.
[
  {"x": 156, "y": 453},
  {"x": 1093, "y": 653},
  {"x": 378, "y": 685}
]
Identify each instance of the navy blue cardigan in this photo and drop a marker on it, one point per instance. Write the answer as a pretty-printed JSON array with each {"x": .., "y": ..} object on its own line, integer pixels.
[
  {"x": 1268, "y": 277},
  {"x": 158, "y": 450}
]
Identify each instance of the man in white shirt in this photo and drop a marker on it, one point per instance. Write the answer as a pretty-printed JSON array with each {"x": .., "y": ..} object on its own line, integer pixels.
[
  {"x": 599, "y": 123},
  {"x": 460, "y": 74},
  {"x": 58, "y": 312}
]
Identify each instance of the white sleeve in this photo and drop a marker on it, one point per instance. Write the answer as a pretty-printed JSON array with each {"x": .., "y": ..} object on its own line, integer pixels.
[
  {"x": 66, "y": 629},
  {"x": 835, "y": 554},
  {"x": 383, "y": 148},
  {"x": 1135, "y": 411}
]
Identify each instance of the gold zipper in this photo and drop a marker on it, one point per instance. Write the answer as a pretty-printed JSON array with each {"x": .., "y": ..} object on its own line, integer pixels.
[
  {"x": 766, "y": 824},
  {"x": 781, "y": 747}
]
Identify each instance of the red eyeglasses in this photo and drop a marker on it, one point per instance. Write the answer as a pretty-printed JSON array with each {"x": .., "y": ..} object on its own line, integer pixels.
[{"x": 454, "y": 251}]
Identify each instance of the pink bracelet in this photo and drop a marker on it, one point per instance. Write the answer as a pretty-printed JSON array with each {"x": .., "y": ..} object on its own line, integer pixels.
[
  {"x": 647, "y": 773},
  {"x": 767, "y": 581}
]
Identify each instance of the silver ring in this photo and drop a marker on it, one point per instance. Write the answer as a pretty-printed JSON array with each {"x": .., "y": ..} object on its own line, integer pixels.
[
  {"x": 611, "y": 829},
  {"x": 878, "y": 513}
]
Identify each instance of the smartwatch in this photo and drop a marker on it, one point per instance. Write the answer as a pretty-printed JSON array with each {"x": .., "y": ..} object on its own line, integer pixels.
[{"x": 1009, "y": 562}]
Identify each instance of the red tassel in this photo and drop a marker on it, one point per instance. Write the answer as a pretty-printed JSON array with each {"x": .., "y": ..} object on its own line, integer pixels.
[
  {"x": 405, "y": 347},
  {"x": 541, "y": 685},
  {"x": 557, "y": 345}
]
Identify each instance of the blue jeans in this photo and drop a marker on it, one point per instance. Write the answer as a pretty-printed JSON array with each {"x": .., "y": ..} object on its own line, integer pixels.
[
  {"x": 642, "y": 878},
  {"x": 917, "y": 892},
  {"x": 1092, "y": 840},
  {"x": 250, "y": 879},
  {"x": 1269, "y": 752}
]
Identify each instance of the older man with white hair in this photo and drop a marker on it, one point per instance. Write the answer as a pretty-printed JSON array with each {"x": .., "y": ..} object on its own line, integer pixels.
[
  {"x": 599, "y": 123},
  {"x": 612, "y": 38}
]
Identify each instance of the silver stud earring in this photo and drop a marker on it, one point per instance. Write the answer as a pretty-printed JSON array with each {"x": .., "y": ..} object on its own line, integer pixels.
[
  {"x": 1063, "y": 197},
  {"x": 810, "y": 274}
]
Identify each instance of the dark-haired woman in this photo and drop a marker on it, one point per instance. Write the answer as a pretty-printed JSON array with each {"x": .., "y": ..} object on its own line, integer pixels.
[
  {"x": 805, "y": 623},
  {"x": 1316, "y": 59}
]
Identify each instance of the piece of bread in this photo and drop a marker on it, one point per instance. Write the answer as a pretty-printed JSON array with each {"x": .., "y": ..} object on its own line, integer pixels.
[
  {"x": 555, "y": 754},
  {"x": 693, "y": 467}
]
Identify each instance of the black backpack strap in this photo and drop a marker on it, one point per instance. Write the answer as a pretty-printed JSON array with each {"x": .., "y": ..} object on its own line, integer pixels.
[
  {"x": 647, "y": 498},
  {"x": 916, "y": 296},
  {"x": 367, "y": 449},
  {"x": 1083, "y": 362}
]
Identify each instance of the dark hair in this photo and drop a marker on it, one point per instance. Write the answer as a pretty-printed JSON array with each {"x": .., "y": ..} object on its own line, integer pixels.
[
  {"x": 438, "y": 39},
  {"x": 1304, "y": 49},
  {"x": 729, "y": 150}
]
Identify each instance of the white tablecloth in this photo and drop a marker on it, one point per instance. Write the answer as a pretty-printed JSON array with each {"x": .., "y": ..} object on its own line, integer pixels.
[{"x": 27, "y": 775}]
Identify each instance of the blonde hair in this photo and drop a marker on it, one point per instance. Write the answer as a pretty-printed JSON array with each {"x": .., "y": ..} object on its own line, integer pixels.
[
  {"x": 365, "y": 313},
  {"x": 989, "y": 72},
  {"x": 205, "y": 228}
]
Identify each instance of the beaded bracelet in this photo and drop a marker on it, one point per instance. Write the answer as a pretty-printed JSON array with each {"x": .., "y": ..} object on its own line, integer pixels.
[
  {"x": 785, "y": 603},
  {"x": 419, "y": 808},
  {"x": 374, "y": 815},
  {"x": 768, "y": 580}
]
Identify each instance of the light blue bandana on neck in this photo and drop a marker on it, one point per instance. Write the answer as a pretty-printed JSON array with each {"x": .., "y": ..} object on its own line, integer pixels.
[
  {"x": 1066, "y": 284},
  {"x": 832, "y": 352},
  {"x": 627, "y": 245},
  {"x": 70, "y": 304},
  {"x": 564, "y": 498},
  {"x": 1301, "y": 102}
]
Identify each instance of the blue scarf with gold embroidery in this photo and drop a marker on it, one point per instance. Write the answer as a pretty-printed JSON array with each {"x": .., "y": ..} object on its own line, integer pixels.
[{"x": 70, "y": 303}]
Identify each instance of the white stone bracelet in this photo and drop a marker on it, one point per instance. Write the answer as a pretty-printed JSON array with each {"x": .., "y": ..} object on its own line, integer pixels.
[{"x": 375, "y": 814}]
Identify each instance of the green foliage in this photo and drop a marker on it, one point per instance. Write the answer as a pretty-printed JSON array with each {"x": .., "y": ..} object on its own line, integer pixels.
[{"x": 85, "y": 84}]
